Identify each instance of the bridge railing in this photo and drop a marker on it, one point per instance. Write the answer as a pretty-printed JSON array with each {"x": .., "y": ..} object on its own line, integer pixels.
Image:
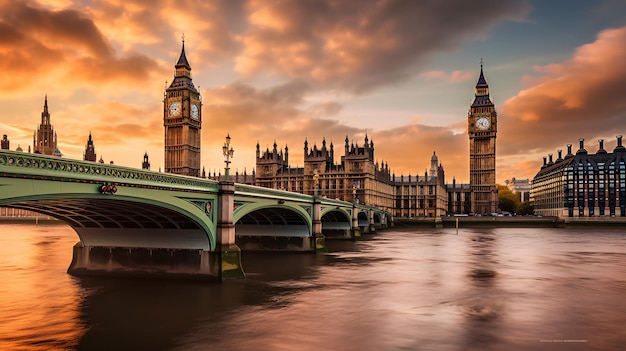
[
  {"x": 257, "y": 191},
  {"x": 51, "y": 167}
]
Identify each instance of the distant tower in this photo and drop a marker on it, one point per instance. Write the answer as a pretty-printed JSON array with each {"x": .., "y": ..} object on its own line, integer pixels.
[
  {"x": 4, "y": 143},
  {"x": 434, "y": 165},
  {"x": 482, "y": 128},
  {"x": 182, "y": 118},
  {"x": 44, "y": 138},
  {"x": 146, "y": 162},
  {"x": 90, "y": 151}
]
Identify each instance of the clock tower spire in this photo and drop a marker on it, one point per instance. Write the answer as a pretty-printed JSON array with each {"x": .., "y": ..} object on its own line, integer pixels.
[
  {"x": 482, "y": 128},
  {"x": 182, "y": 119}
]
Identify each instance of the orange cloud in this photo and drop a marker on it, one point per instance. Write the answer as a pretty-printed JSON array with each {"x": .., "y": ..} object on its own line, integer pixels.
[
  {"x": 584, "y": 93},
  {"x": 454, "y": 76},
  {"x": 38, "y": 45}
]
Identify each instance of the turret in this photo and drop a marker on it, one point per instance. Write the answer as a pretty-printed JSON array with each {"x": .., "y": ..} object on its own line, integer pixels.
[{"x": 286, "y": 154}]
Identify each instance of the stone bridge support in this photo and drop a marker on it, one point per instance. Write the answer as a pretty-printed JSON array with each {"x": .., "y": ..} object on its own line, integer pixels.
[
  {"x": 320, "y": 241},
  {"x": 356, "y": 232},
  {"x": 370, "y": 216},
  {"x": 229, "y": 252}
]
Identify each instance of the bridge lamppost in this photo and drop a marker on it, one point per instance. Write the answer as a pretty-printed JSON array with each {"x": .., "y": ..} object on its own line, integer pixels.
[
  {"x": 228, "y": 152},
  {"x": 316, "y": 182}
]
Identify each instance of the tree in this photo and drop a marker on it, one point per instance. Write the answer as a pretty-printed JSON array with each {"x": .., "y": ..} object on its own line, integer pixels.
[
  {"x": 526, "y": 208},
  {"x": 507, "y": 204},
  {"x": 507, "y": 200}
]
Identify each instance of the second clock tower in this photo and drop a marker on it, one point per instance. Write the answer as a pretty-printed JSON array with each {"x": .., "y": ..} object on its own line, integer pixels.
[
  {"x": 482, "y": 128},
  {"x": 182, "y": 119}
]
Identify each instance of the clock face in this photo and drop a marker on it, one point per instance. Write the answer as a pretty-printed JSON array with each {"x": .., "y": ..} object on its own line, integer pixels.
[
  {"x": 194, "y": 111},
  {"x": 175, "y": 108},
  {"x": 482, "y": 123}
]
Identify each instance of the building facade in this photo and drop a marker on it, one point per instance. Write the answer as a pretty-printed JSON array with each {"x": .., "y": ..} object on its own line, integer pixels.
[
  {"x": 45, "y": 138},
  {"x": 482, "y": 128},
  {"x": 182, "y": 119},
  {"x": 582, "y": 184},
  {"x": 357, "y": 177},
  {"x": 519, "y": 186},
  {"x": 421, "y": 196}
]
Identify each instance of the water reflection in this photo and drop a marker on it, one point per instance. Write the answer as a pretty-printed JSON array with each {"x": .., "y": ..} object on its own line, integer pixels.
[
  {"x": 418, "y": 289},
  {"x": 484, "y": 304}
]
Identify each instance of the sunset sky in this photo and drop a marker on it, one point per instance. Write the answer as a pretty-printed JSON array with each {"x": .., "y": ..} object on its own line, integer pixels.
[{"x": 401, "y": 71}]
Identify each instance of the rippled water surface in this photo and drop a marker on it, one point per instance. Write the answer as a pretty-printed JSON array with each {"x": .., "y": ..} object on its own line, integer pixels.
[{"x": 409, "y": 289}]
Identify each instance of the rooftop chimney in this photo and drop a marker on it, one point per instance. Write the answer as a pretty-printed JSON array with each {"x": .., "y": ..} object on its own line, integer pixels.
[
  {"x": 581, "y": 150},
  {"x": 601, "y": 148},
  {"x": 569, "y": 150},
  {"x": 544, "y": 162},
  {"x": 619, "y": 147},
  {"x": 550, "y": 159},
  {"x": 560, "y": 155}
]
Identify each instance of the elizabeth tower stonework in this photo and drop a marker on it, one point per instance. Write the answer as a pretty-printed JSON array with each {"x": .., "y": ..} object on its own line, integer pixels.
[
  {"x": 482, "y": 127},
  {"x": 182, "y": 119}
]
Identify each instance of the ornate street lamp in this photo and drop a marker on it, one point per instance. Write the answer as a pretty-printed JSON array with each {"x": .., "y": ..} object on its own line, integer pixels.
[
  {"x": 228, "y": 152},
  {"x": 316, "y": 182}
]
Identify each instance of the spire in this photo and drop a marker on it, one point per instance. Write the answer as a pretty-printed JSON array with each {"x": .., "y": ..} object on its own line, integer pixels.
[
  {"x": 45, "y": 115},
  {"x": 481, "y": 78},
  {"x": 182, "y": 61},
  {"x": 481, "y": 92}
]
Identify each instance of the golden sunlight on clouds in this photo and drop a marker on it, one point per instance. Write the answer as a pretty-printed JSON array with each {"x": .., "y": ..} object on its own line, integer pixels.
[
  {"x": 262, "y": 16},
  {"x": 288, "y": 71},
  {"x": 579, "y": 98}
]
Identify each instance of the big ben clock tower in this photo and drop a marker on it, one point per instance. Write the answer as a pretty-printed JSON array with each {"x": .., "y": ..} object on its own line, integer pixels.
[
  {"x": 482, "y": 127},
  {"x": 182, "y": 119}
]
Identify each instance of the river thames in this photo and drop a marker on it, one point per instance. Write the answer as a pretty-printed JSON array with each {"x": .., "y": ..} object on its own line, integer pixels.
[{"x": 402, "y": 289}]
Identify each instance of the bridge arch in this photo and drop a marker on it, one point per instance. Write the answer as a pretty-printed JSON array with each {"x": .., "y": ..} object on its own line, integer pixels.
[
  {"x": 336, "y": 222},
  {"x": 363, "y": 219},
  {"x": 271, "y": 219},
  {"x": 133, "y": 217}
]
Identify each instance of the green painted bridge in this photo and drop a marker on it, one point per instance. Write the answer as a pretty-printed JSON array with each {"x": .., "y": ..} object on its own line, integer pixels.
[{"x": 139, "y": 222}]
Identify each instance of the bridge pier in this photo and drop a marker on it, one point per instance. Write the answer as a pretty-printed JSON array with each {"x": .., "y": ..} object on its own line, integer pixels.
[
  {"x": 118, "y": 261},
  {"x": 320, "y": 240},
  {"x": 230, "y": 254},
  {"x": 370, "y": 216},
  {"x": 356, "y": 231}
]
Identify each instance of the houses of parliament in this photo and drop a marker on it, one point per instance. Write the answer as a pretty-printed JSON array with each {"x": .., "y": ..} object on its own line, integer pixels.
[{"x": 355, "y": 176}]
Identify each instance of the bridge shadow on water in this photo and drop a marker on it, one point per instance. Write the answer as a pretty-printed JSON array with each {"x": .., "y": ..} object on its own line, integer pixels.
[{"x": 156, "y": 314}]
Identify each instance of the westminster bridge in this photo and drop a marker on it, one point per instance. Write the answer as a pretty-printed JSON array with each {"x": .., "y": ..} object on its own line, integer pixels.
[{"x": 140, "y": 222}]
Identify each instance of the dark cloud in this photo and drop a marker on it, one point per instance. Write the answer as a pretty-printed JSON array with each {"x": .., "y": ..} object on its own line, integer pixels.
[{"x": 360, "y": 45}]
